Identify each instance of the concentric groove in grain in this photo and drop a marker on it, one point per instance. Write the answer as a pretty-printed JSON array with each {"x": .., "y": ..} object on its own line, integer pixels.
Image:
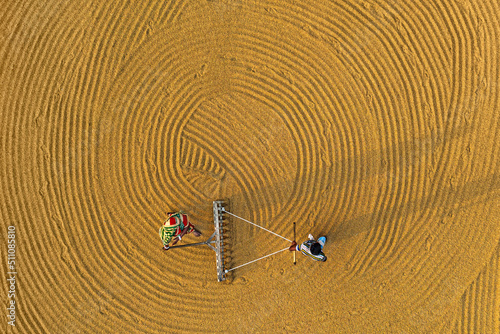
[{"x": 384, "y": 108}]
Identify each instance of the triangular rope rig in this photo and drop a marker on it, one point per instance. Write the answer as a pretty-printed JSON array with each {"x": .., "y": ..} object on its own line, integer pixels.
[
  {"x": 217, "y": 239},
  {"x": 265, "y": 229}
]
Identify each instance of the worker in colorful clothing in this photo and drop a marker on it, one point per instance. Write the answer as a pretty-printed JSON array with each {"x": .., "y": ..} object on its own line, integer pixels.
[
  {"x": 176, "y": 226},
  {"x": 311, "y": 248}
]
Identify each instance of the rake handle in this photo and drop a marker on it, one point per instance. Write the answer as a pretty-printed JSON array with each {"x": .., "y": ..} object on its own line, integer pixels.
[{"x": 294, "y": 259}]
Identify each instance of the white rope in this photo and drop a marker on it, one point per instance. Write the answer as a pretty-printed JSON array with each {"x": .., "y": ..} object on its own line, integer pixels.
[
  {"x": 228, "y": 270},
  {"x": 232, "y": 214}
]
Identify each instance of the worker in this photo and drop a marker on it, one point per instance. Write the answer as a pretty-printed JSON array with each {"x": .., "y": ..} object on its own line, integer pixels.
[
  {"x": 311, "y": 248},
  {"x": 175, "y": 227}
]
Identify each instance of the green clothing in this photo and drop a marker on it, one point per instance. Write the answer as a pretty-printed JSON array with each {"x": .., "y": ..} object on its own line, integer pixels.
[{"x": 173, "y": 226}]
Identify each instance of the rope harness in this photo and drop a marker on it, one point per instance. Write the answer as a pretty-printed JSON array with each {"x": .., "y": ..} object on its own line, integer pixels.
[{"x": 265, "y": 229}]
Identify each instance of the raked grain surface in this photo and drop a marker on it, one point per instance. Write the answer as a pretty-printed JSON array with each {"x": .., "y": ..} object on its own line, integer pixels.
[{"x": 375, "y": 123}]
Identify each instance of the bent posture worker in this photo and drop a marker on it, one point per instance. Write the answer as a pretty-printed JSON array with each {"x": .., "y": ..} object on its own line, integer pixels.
[
  {"x": 176, "y": 226},
  {"x": 311, "y": 248}
]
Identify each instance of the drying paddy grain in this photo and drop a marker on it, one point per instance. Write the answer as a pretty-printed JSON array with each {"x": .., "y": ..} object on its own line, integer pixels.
[{"x": 374, "y": 123}]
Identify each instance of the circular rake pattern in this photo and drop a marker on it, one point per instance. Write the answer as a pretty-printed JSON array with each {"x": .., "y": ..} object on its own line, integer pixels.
[{"x": 360, "y": 120}]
